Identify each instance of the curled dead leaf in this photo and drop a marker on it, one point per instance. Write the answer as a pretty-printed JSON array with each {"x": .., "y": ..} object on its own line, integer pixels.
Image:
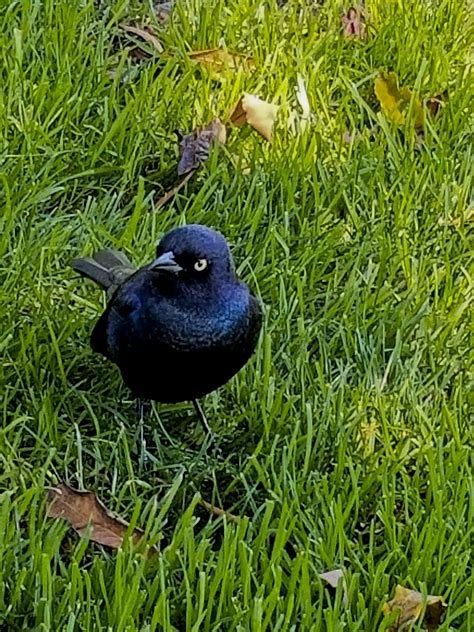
[
  {"x": 162, "y": 10},
  {"x": 333, "y": 578},
  {"x": 259, "y": 114},
  {"x": 395, "y": 100},
  {"x": 145, "y": 33},
  {"x": 434, "y": 104},
  {"x": 353, "y": 23},
  {"x": 219, "y": 60},
  {"x": 238, "y": 116},
  {"x": 409, "y": 605},
  {"x": 196, "y": 146},
  {"x": 88, "y": 515}
]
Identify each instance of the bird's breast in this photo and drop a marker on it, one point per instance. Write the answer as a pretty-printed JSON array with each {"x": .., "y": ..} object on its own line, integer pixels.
[
  {"x": 172, "y": 351},
  {"x": 211, "y": 324}
]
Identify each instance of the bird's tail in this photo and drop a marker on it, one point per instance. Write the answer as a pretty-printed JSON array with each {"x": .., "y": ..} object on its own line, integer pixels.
[{"x": 107, "y": 268}]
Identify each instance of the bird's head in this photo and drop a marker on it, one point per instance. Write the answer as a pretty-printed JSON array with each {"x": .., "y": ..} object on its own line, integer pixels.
[{"x": 194, "y": 254}]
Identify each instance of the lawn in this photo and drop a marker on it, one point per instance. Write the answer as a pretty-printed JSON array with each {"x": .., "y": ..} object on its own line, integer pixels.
[{"x": 346, "y": 443}]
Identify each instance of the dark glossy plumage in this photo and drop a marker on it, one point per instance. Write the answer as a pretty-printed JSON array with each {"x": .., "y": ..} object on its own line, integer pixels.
[{"x": 181, "y": 327}]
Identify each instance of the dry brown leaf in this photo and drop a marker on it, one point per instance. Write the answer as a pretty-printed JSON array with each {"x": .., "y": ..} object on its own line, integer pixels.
[
  {"x": 219, "y": 60},
  {"x": 217, "y": 511},
  {"x": 332, "y": 578},
  {"x": 196, "y": 146},
  {"x": 238, "y": 116},
  {"x": 353, "y": 23},
  {"x": 88, "y": 515},
  {"x": 409, "y": 604},
  {"x": 257, "y": 113},
  {"x": 395, "y": 100},
  {"x": 146, "y": 33},
  {"x": 434, "y": 104}
]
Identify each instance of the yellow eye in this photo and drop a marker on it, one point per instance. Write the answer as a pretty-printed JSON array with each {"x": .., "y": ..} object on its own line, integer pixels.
[{"x": 200, "y": 265}]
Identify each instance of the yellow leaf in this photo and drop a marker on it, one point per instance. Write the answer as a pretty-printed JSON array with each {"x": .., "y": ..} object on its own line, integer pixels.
[
  {"x": 218, "y": 60},
  {"x": 395, "y": 100},
  {"x": 257, "y": 113},
  {"x": 409, "y": 605}
]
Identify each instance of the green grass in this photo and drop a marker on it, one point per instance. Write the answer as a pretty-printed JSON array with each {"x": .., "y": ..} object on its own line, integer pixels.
[{"x": 347, "y": 441}]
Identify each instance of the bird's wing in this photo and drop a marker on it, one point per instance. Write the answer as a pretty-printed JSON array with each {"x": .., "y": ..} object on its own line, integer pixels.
[
  {"x": 109, "y": 269},
  {"x": 123, "y": 300},
  {"x": 99, "y": 341}
]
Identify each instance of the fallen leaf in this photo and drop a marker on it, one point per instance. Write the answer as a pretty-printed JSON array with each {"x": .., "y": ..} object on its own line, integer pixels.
[
  {"x": 163, "y": 10},
  {"x": 434, "y": 104},
  {"x": 219, "y": 60},
  {"x": 302, "y": 98},
  {"x": 350, "y": 137},
  {"x": 217, "y": 511},
  {"x": 146, "y": 33},
  {"x": 332, "y": 578},
  {"x": 369, "y": 431},
  {"x": 164, "y": 199},
  {"x": 297, "y": 122},
  {"x": 409, "y": 604},
  {"x": 353, "y": 23},
  {"x": 395, "y": 100},
  {"x": 88, "y": 515},
  {"x": 196, "y": 146},
  {"x": 466, "y": 217},
  {"x": 257, "y": 113},
  {"x": 238, "y": 116}
]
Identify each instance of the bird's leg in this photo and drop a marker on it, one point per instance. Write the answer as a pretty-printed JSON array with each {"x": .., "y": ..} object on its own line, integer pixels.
[
  {"x": 202, "y": 419},
  {"x": 141, "y": 425}
]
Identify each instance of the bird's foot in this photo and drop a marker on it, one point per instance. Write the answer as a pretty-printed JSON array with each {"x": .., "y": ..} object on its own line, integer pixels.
[
  {"x": 144, "y": 459},
  {"x": 211, "y": 438}
]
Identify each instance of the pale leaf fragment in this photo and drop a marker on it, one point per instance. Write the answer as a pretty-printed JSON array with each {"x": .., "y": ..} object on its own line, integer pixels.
[
  {"x": 302, "y": 98},
  {"x": 259, "y": 114},
  {"x": 333, "y": 578}
]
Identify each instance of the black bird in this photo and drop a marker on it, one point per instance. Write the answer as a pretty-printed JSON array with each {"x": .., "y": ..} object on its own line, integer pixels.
[{"x": 179, "y": 327}]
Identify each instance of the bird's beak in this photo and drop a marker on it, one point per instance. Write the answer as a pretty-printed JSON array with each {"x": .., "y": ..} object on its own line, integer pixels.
[{"x": 166, "y": 262}]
